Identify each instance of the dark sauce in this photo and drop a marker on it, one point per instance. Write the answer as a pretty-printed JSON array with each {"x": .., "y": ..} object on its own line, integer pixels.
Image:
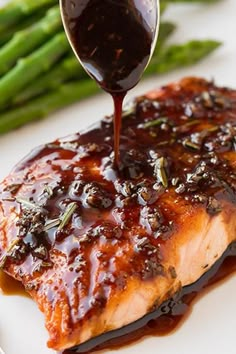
[
  {"x": 177, "y": 151},
  {"x": 171, "y": 314},
  {"x": 163, "y": 321},
  {"x": 10, "y": 286},
  {"x": 113, "y": 40}
]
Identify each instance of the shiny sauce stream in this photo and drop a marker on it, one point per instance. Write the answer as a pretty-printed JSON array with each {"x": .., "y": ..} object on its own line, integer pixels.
[{"x": 113, "y": 40}]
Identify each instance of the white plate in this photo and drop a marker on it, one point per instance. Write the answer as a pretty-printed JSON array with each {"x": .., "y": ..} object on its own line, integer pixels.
[{"x": 211, "y": 326}]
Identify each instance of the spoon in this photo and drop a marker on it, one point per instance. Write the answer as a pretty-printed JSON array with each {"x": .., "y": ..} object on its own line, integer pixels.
[
  {"x": 1, "y": 351},
  {"x": 114, "y": 41}
]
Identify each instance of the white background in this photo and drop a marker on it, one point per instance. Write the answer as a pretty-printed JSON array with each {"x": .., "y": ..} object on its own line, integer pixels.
[{"x": 211, "y": 328}]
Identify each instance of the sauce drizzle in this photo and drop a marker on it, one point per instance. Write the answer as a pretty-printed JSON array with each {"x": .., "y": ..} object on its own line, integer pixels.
[
  {"x": 118, "y": 102},
  {"x": 114, "y": 42}
]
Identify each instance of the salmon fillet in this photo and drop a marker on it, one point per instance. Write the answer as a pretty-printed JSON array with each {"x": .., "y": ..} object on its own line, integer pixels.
[{"x": 98, "y": 249}]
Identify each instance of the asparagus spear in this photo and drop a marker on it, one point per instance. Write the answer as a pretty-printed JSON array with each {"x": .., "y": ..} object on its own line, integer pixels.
[
  {"x": 28, "y": 21},
  {"x": 165, "y": 3},
  {"x": 70, "y": 69},
  {"x": 29, "y": 68},
  {"x": 27, "y": 40},
  {"x": 42, "y": 106},
  {"x": 66, "y": 70},
  {"x": 201, "y": 1},
  {"x": 163, "y": 6},
  {"x": 72, "y": 92},
  {"x": 16, "y": 10},
  {"x": 165, "y": 30},
  {"x": 176, "y": 56}
]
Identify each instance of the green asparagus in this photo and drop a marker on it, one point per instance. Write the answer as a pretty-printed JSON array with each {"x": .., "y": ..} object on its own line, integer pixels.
[
  {"x": 29, "y": 68},
  {"x": 72, "y": 92},
  {"x": 192, "y": 1},
  {"x": 27, "y": 22},
  {"x": 165, "y": 3},
  {"x": 66, "y": 70},
  {"x": 64, "y": 81},
  {"x": 70, "y": 69},
  {"x": 165, "y": 30},
  {"x": 25, "y": 41},
  {"x": 176, "y": 56},
  {"x": 39, "y": 108},
  {"x": 16, "y": 10},
  {"x": 163, "y": 6}
]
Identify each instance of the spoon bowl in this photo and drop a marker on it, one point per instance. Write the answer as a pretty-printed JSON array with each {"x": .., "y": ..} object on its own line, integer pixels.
[{"x": 113, "y": 39}]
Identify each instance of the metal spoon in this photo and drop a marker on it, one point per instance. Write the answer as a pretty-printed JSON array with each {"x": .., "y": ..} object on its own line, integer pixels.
[{"x": 89, "y": 23}]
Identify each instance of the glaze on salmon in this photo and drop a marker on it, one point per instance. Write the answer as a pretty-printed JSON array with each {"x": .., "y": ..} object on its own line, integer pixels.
[{"x": 97, "y": 248}]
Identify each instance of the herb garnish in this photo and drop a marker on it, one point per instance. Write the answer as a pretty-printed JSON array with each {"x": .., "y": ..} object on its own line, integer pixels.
[
  {"x": 26, "y": 203},
  {"x": 48, "y": 190},
  {"x": 191, "y": 145},
  {"x": 65, "y": 219},
  {"x": 186, "y": 126},
  {"x": 160, "y": 171},
  {"x": 8, "y": 252},
  {"x": 212, "y": 129},
  {"x": 130, "y": 110},
  {"x": 51, "y": 224},
  {"x": 155, "y": 122}
]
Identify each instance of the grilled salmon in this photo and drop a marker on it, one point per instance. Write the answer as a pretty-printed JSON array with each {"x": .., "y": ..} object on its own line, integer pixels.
[{"x": 98, "y": 248}]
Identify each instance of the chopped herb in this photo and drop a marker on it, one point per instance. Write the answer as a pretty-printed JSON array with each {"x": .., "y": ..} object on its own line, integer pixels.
[
  {"x": 213, "y": 206},
  {"x": 175, "y": 181},
  {"x": 65, "y": 219},
  {"x": 190, "y": 110},
  {"x": 51, "y": 224},
  {"x": 48, "y": 190},
  {"x": 128, "y": 111},
  {"x": 163, "y": 143},
  {"x": 207, "y": 100},
  {"x": 8, "y": 252},
  {"x": 39, "y": 268},
  {"x": 12, "y": 188},
  {"x": 180, "y": 189},
  {"x": 191, "y": 145},
  {"x": 160, "y": 171},
  {"x": 41, "y": 252},
  {"x": 10, "y": 199},
  {"x": 27, "y": 203},
  {"x": 155, "y": 123},
  {"x": 185, "y": 127},
  {"x": 46, "y": 264},
  {"x": 212, "y": 129},
  {"x": 192, "y": 122}
]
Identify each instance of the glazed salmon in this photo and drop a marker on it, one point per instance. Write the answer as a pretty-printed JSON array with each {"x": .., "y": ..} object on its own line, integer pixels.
[{"x": 97, "y": 248}]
